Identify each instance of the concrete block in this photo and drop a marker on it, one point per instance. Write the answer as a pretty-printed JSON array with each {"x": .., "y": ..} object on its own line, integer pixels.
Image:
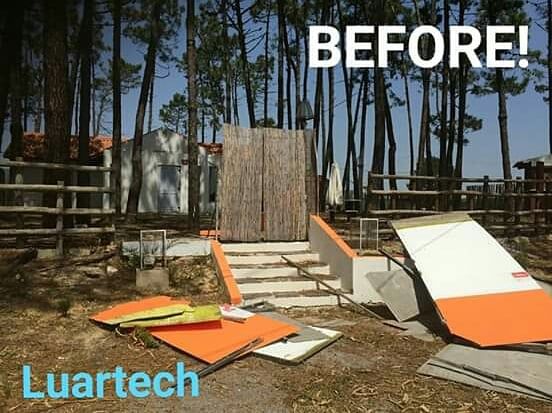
[{"x": 155, "y": 280}]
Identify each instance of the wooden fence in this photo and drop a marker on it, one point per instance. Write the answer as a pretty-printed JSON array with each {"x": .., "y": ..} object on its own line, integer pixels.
[
  {"x": 506, "y": 205},
  {"x": 268, "y": 184},
  {"x": 20, "y": 211}
]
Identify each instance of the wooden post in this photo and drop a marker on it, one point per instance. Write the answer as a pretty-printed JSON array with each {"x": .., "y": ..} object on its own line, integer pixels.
[
  {"x": 485, "y": 199},
  {"x": 59, "y": 221},
  {"x": 19, "y": 201},
  {"x": 369, "y": 201},
  {"x": 548, "y": 202},
  {"x": 540, "y": 189}
]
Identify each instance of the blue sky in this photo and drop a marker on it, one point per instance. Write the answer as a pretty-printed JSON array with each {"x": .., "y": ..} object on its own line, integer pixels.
[{"x": 528, "y": 120}]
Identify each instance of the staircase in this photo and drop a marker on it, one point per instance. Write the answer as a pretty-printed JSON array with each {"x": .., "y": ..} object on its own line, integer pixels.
[{"x": 262, "y": 274}]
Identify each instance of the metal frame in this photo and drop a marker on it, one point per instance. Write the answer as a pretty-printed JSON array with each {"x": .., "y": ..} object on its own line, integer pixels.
[
  {"x": 361, "y": 231},
  {"x": 164, "y": 245}
]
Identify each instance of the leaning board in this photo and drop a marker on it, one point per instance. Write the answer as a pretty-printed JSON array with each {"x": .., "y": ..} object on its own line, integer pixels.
[{"x": 480, "y": 290}]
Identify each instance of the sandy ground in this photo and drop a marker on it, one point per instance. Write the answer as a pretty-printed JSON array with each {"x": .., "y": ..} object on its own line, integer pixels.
[{"x": 371, "y": 368}]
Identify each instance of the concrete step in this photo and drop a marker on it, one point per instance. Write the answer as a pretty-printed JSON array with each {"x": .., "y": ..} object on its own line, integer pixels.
[
  {"x": 264, "y": 259},
  {"x": 265, "y": 247},
  {"x": 277, "y": 271},
  {"x": 315, "y": 298},
  {"x": 283, "y": 286}
]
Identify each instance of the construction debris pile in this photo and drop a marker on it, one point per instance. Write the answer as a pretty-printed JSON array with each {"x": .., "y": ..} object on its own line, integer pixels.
[
  {"x": 217, "y": 335},
  {"x": 458, "y": 282}
]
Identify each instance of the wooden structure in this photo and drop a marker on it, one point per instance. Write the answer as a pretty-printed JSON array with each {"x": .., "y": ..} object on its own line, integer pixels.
[
  {"x": 501, "y": 205},
  {"x": 268, "y": 184},
  {"x": 60, "y": 211}
]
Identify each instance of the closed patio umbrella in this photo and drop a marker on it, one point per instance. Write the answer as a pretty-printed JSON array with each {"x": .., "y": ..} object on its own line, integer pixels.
[{"x": 334, "y": 194}]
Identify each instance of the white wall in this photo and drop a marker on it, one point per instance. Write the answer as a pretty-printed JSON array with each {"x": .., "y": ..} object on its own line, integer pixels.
[{"x": 162, "y": 147}]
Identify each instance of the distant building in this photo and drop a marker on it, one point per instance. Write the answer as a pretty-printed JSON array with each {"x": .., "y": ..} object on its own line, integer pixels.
[
  {"x": 529, "y": 166},
  {"x": 34, "y": 150},
  {"x": 164, "y": 169},
  {"x": 165, "y": 172}
]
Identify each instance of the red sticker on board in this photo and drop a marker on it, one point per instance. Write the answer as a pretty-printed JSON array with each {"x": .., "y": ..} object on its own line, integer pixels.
[{"x": 521, "y": 274}]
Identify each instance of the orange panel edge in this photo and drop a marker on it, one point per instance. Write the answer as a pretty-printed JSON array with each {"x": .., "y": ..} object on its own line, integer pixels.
[
  {"x": 225, "y": 273},
  {"x": 330, "y": 232}
]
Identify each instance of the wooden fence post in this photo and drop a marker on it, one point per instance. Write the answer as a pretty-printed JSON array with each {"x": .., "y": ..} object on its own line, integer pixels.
[
  {"x": 59, "y": 220},
  {"x": 540, "y": 189},
  {"x": 485, "y": 199},
  {"x": 19, "y": 201},
  {"x": 548, "y": 202},
  {"x": 369, "y": 187}
]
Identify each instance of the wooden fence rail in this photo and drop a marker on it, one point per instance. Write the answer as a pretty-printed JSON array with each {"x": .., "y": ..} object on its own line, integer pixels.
[
  {"x": 499, "y": 204},
  {"x": 60, "y": 210}
]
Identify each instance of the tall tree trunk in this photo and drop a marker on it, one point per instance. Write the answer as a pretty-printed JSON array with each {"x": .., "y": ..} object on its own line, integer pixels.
[
  {"x": 281, "y": 34},
  {"x": 56, "y": 97},
  {"x": 117, "y": 126},
  {"x": 85, "y": 45},
  {"x": 9, "y": 49},
  {"x": 329, "y": 158},
  {"x": 452, "y": 123},
  {"x": 443, "y": 129},
  {"x": 266, "y": 56},
  {"x": 391, "y": 169},
  {"x": 226, "y": 64},
  {"x": 245, "y": 65},
  {"x": 297, "y": 74},
  {"x": 378, "y": 156},
  {"x": 461, "y": 116},
  {"x": 16, "y": 127},
  {"x": 549, "y": 67},
  {"x": 408, "y": 116},
  {"x": 136, "y": 181},
  {"x": 363, "y": 120},
  {"x": 150, "y": 105},
  {"x": 193, "y": 169},
  {"x": 503, "y": 124},
  {"x": 288, "y": 95}
]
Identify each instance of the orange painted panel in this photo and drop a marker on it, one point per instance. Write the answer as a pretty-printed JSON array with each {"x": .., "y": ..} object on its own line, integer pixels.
[
  {"x": 214, "y": 340},
  {"x": 134, "y": 306},
  {"x": 499, "y": 319},
  {"x": 226, "y": 273}
]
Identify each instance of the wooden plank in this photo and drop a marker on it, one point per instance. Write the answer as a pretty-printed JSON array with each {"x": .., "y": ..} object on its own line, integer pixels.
[
  {"x": 53, "y": 188},
  {"x": 55, "y": 211},
  {"x": 59, "y": 166}
]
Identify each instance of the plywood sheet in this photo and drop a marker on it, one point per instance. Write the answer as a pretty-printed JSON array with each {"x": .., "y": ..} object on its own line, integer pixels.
[
  {"x": 483, "y": 294},
  {"x": 124, "y": 309},
  {"x": 405, "y": 297},
  {"x": 295, "y": 352},
  {"x": 505, "y": 371},
  {"x": 213, "y": 341}
]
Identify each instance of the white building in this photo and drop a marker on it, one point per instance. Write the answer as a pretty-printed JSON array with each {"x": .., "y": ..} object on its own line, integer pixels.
[
  {"x": 164, "y": 167},
  {"x": 165, "y": 173}
]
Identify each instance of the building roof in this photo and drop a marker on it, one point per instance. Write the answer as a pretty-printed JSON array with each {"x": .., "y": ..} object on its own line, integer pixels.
[
  {"x": 34, "y": 146},
  {"x": 212, "y": 148},
  {"x": 547, "y": 159}
]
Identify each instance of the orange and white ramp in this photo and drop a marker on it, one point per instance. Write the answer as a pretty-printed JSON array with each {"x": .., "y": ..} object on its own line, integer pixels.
[{"x": 480, "y": 290}]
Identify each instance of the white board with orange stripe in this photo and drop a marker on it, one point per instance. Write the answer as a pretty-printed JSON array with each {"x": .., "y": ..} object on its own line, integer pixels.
[{"x": 483, "y": 294}]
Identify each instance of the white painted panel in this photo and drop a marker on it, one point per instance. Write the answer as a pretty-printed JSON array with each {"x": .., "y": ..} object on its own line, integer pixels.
[
  {"x": 294, "y": 352},
  {"x": 462, "y": 259}
]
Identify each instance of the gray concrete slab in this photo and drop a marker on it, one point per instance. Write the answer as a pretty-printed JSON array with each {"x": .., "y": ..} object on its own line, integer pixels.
[
  {"x": 405, "y": 297},
  {"x": 506, "y": 371},
  {"x": 178, "y": 247}
]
